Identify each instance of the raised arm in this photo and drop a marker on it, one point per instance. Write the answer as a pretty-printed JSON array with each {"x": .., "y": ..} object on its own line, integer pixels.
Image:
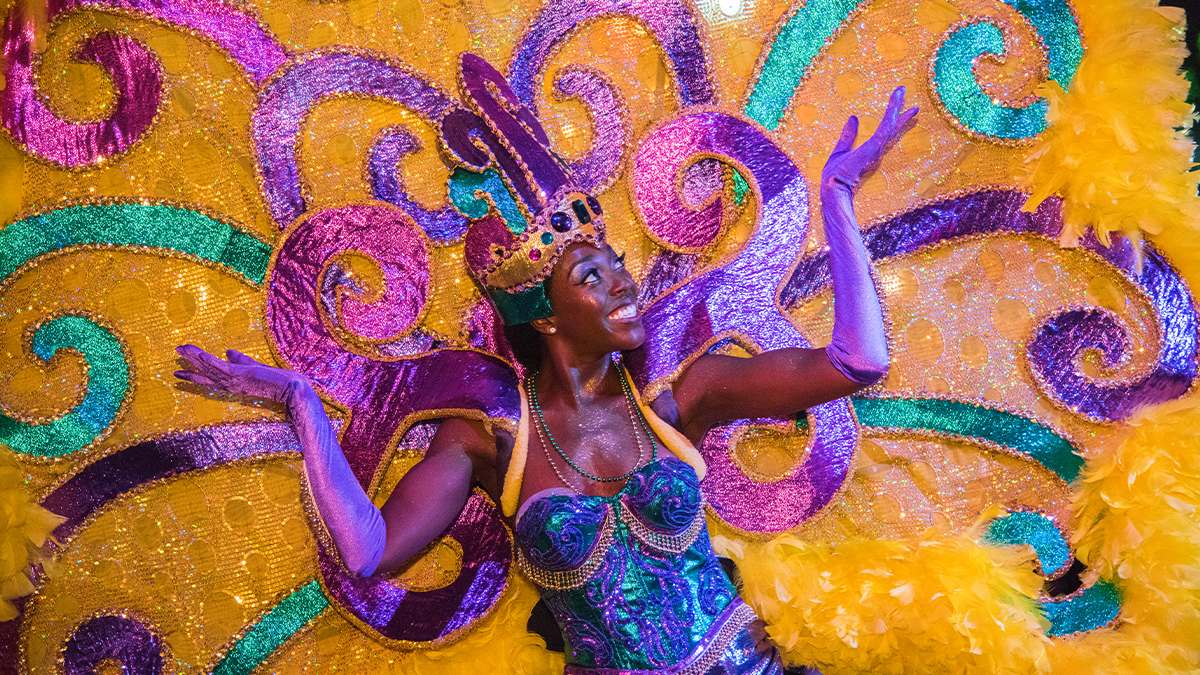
[
  {"x": 782, "y": 382},
  {"x": 369, "y": 540}
]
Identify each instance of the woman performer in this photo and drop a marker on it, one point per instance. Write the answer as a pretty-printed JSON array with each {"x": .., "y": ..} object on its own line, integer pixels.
[{"x": 610, "y": 525}]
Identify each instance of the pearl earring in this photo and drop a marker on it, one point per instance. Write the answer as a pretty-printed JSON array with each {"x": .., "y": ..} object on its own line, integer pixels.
[{"x": 551, "y": 330}]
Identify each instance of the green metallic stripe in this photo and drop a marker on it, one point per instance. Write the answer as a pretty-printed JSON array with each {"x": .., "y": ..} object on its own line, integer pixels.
[
  {"x": 107, "y": 387},
  {"x": 956, "y": 87},
  {"x": 971, "y": 423},
  {"x": 1036, "y": 530},
  {"x": 279, "y": 624},
  {"x": 465, "y": 184},
  {"x": 1094, "y": 608},
  {"x": 170, "y": 228},
  {"x": 791, "y": 55}
]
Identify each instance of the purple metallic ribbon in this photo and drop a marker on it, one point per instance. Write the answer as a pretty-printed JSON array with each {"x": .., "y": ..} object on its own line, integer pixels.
[
  {"x": 738, "y": 300},
  {"x": 1059, "y": 341},
  {"x": 443, "y": 225},
  {"x": 384, "y": 395}
]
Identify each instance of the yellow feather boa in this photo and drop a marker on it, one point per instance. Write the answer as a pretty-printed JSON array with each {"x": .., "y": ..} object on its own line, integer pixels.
[
  {"x": 945, "y": 602},
  {"x": 1115, "y": 148},
  {"x": 24, "y": 527}
]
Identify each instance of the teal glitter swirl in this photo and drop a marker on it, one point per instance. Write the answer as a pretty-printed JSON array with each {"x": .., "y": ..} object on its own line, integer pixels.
[
  {"x": 971, "y": 422},
  {"x": 1095, "y": 607},
  {"x": 954, "y": 80},
  {"x": 1036, "y": 530},
  {"x": 107, "y": 387},
  {"x": 279, "y": 624},
  {"x": 803, "y": 37},
  {"x": 170, "y": 228},
  {"x": 464, "y": 186}
]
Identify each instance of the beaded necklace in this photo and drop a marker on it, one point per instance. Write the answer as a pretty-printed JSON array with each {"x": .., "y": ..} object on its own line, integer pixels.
[{"x": 547, "y": 439}]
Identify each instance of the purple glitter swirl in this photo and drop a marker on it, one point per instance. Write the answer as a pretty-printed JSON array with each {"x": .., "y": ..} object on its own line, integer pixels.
[
  {"x": 432, "y": 616},
  {"x": 612, "y": 131},
  {"x": 283, "y": 104},
  {"x": 443, "y": 225},
  {"x": 672, "y": 23},
  {"x": 115, "y": 637},
  {"x": 1060, "y": 340},
  {"x": 135, "y": 73},
  {"x": 233, "y": 29},
  {"x": 380, "y": 394},
  {"x": 738, "y": 300}
]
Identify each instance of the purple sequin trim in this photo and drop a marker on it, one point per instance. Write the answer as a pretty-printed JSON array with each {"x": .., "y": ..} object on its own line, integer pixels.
[
  {"x": 284, "y": 103},
  {"x": 118, "y": 638},
  {"x": 611, "y": 128},
  {"x": 1061, "y": 339},
  {"x": 739, "y": 300},
  {"x": 234, "y": 30}
]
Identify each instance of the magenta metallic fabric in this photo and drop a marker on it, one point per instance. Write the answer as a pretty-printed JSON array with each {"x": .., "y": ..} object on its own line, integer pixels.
[
  {"x": 737, "y": 301},
  {"x": 135, "y": 73},
  {"x": 133, "y": 69}
]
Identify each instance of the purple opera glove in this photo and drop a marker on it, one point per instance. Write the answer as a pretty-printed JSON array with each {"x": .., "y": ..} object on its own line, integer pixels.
[
  {"x": 858, "y": 348},
  {"x": 354, "y": 523}
]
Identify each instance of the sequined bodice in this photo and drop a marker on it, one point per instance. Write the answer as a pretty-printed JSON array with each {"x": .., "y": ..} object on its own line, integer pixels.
[{"x": 631, "y": 579}]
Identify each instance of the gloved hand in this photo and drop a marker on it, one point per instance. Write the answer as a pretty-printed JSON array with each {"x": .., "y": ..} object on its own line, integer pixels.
[
  {"x": 848, "y": 165},
  {"x": 858, "y": 348},
  {"x": 241, "y": 375},
  {"x": 354, "y": 523}
]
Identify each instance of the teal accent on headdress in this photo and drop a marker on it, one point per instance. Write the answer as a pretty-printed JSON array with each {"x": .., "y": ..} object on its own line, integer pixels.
[
  {"x": 522, "y": 306},
  {"x": 464, "y": 185}
]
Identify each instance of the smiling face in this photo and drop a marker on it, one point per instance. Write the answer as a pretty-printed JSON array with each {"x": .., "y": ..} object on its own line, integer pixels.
[{"x": 595, "y": 302}]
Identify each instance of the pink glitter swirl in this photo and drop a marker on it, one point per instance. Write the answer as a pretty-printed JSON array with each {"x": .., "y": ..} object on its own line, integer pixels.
[
  {"x": 133, "y": 69},
  {"x": 738, "y": 301}
]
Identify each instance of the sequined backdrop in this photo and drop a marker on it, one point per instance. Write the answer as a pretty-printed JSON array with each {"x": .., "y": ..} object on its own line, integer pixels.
[{"x": 266, "y": 176}]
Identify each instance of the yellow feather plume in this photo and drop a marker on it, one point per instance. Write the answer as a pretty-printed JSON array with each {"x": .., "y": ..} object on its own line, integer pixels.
[
  {"x": 1114, "y": 148},
  {"x": 24, "y": 527}
]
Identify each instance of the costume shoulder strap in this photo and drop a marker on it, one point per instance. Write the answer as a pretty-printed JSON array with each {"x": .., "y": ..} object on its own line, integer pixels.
[{"x": 510, "y": 492}]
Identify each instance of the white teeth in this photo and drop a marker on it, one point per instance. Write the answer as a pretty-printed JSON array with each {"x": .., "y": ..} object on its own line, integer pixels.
[{"x": 623, "y": 312}]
